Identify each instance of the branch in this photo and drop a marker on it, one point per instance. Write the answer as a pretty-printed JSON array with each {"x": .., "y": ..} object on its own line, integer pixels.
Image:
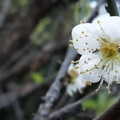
[
  {"x": 19, "y": 31},
  {"x": 32, "y": 60},
  {"x": 112, "y": 8},
  {"x": 5, "y": 10},
  {"x": 113, "y": 113},
  {"x": 54, "y": 91},
  {"x": 22, "y": 91},
  {"x": 69, "y": 110}
]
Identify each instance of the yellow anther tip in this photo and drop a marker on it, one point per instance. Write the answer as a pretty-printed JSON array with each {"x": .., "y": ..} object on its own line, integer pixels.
[
  {"x": 89, "y": 83},
  {"x": 96, "y": 90},
  {"x": 71, "y": 40},
  {"x": 107, "y": 87},
  {"x": 70, "y": 45},
  {"x": 98, "y": 21},
  {"x": 72, "y": 61},
  {"x": 109, "y": 92},
  {"x": 81, "y": 22}
]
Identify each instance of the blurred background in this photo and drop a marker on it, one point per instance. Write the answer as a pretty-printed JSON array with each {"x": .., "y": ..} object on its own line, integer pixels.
[{"x": 34, "y": 38}]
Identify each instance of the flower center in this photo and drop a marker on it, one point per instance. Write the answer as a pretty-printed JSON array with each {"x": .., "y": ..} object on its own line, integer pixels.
[{"x": 110, "y": 49}]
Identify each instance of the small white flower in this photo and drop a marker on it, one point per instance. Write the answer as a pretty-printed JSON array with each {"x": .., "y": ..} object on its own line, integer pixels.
[
  {"x": 77, "y": 82},
  {"x": 99, "y": 45}
]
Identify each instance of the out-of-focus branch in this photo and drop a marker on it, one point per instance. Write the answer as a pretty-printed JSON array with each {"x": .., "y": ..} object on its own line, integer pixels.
[
  {"x": 19, "y": 32},
  {"x": 33, "y": 60},
  {"x": 69, "y": 110},
  {"x": 22, "y": 91},
  {"x": 54, "y": 91},
  {"x": 4, "y": 11},
  {"x": 113, "y": 113},
  {"x": 18, "y": 111},
  {"x": 112, "y": 8}
]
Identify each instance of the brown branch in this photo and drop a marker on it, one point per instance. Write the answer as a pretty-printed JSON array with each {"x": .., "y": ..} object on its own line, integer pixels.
[{"x": 113, "y": 113}]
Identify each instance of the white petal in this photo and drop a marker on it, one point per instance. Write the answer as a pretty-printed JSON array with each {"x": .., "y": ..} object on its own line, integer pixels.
[
  {"x": 80, "y": 83},
  {"x": 110, "y": 28},
  {"x": 91, "y": 67},
  {"x": 85, "y": 38}
]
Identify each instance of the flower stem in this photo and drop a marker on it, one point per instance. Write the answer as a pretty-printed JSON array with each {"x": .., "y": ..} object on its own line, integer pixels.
[{"x": 112, "y": 8}]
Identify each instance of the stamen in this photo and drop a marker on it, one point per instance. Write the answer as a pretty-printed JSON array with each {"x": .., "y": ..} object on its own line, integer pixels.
[
  {"x": 109, "y": 92},
  {"x": 72, "y": 62},
  {"x": 96, "y": 90},
  {"x": 82, "y": 32},
  {"x": 77, "y": 40},
  {"x": 98, "y": 21},
  {"x": 77, "y": 48},
  {"x": 76, "y": 67},
  {"x": 71, "y": 40},
  {"x": 89, "y": 83},
  {"x": 70, "y": 45},
  {"x": 81, "y": 22}
]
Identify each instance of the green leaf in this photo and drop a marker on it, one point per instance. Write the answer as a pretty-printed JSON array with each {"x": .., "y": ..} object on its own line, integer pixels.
[{"x": 37, "y": 77}]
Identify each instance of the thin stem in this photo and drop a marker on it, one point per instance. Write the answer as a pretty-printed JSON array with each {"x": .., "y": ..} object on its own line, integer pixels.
[{"x": 112, "y": 8}]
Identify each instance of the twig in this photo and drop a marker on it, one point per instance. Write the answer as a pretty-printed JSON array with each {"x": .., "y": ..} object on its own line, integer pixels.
[
  {"x": 113, "y": 113},
  {"x": 54, "y": 91},
  {"x": 34, "y": 58},
  {"x": 112, "y": 8},
  {"x": 5, "y": 10},
  {"x": 21, "y": 91},
  {"x": 69, "y": 110},
  {"x": 18, "y": 111}
]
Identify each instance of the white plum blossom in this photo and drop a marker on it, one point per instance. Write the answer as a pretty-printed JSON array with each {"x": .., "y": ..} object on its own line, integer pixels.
[
  {"x": 99, "y": 45},
  {"x": 77, "y": 82}
]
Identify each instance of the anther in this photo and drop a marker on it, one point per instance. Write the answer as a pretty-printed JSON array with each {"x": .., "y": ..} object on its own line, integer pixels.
[
  {"x": 71, "y": 40},
  {"x": 76, "y": 67},
  {"x": 90, "y": 72},
  {"x": 74, "y": 61},
  {"x": 82, "y": 32},
  {"x": 81, "y": 72},
  {"x": 70, "y": 45},
  {"x": 77, "y": 49},
  {"x": 98, "y": 21},
  {"x": 107, "y": 87},
  {"x": 97, "y": 39},
  {"x": 96, "y": 90},
  {"x": 89, "y": 83},
  {"x": 81, "y": 22},
  {"x": 109, "y": 92}
]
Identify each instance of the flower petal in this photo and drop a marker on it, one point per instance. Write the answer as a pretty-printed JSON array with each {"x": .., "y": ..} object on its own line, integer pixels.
[
  {"x": 85, "y": 38},
  {"x": 91, "y": 67},
  {"x": 107, "y": 28}
]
